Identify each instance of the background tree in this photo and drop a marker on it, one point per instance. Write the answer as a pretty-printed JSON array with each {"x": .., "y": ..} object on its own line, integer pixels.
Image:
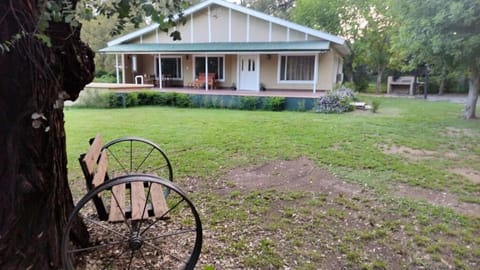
[
  {"x": 42, "y": 63},
  {"x": 445, "y": 30},
  {"x": 277, "y": 8}
]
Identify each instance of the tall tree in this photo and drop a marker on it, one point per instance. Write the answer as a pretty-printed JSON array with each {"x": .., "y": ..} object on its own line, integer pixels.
[
  {"x": 42, "y": 63},
  {"x": 278, "y": 8},
  {"x": 445, "y": 30}
]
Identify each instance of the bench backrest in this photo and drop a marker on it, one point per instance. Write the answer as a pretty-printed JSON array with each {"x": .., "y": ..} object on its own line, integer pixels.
[{"x": 94, "y": 163}]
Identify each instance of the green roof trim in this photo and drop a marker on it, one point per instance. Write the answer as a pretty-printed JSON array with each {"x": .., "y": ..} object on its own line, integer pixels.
[{"x": 217, "y": 47}]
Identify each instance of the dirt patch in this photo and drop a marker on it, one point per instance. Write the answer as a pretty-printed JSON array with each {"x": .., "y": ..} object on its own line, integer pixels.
[
  {"x": 407, "y": 152},
  {"x": 292, "y": 175},
  {"x": 458, "y": 132},
  {"x": 470, "y": 174},
  {"x": 438, "y": 198}
]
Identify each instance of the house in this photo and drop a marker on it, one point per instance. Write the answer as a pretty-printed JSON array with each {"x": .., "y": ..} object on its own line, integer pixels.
[{"x": 242, "y": 48}]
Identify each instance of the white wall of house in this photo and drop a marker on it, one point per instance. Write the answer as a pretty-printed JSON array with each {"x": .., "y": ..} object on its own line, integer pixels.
[{"x": 220, "y": 24}]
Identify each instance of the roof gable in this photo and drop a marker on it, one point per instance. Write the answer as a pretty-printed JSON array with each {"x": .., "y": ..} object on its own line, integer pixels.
[{"x": 274, "y": 20}]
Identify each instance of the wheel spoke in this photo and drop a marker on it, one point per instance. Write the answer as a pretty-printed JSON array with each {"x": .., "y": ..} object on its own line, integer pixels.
[
  {"x": 131, "y": 259},
  {"x": 145, "y": 207},
  {"x": 145, "y": 260},
  {"x": 95, "y": 247},
  {"x": 115, "y": 259},
  {"x": 117, "y": 160},
  {"x": 164, "y": 214},
  {"x": 121, "y": 211},
  {"x": 145, "y": 159},
  {"x": 105, "y": 227},
  {"x": 170, "y": 234},
  {"x": 131, "y": 155}
]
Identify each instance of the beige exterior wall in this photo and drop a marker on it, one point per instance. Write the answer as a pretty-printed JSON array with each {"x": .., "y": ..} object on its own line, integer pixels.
[
  {"x": 219, "y": 24},
  {"x": 296, "y": 35},
  {"x": 259, "y": 30},
  {"x": 279, "y": 33},
  {"x": 239, "y": 27}
]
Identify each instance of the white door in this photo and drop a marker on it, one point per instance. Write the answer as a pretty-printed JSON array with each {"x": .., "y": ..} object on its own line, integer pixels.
[{"x": 248, "y": 70}]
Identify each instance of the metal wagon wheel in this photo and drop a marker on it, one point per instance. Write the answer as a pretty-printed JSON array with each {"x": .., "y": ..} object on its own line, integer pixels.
[
  {"x": 137, "y": 155},
  {"x": 173, "y": 240}
]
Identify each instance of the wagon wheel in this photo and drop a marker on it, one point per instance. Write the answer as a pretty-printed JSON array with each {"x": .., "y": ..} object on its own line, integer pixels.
[
  {"x": 137, "y": 155},
  {"x": 172, "y": 240}
]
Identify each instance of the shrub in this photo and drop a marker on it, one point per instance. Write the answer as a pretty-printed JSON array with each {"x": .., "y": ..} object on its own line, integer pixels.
[
  {"x": 115, "y": 100},
  {"x": 375, "y": 105},
  {"x": 336, "y": 101},
  {"x": 93, "y": 98},
  {"x": 146, "y": 98},
  {"x": 159, "y": 99},
  {"x": 131, "y": 100},
  {"x": 249, "y": 103},
  {"x": 274, "y": 103},
  {"x": 182, "y": 100}
]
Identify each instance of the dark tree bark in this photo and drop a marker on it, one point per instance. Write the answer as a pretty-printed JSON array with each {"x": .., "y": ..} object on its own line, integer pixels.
[
  {"x": 474, "y": 87},
  {"x": 443, "y": 80},
  {"x": 35, "y": 198}
]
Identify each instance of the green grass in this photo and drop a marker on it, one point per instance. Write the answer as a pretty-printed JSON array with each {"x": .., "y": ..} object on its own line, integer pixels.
[{"x": 301, "y": 229}]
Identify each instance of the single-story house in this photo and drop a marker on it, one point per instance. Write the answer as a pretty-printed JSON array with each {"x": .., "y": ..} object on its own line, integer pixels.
[{"x": 242, "y": 48}]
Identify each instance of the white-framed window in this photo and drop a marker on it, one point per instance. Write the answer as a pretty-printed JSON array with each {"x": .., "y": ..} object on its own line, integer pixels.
[
  {"x": 171, "y": 67},
  {"x": 296, "y": 68},
  {"x": 216, "y": 64}
]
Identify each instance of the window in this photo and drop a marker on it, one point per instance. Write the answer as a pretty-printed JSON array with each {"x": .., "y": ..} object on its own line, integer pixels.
[
  {"x": 171, "y": 67},
  {"x": 215, "y": 65},
  {"x": 297, "y": 68}
]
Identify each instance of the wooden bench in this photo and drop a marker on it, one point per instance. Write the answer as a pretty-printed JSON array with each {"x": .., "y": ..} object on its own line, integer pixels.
[
  {"x": 405, "y": 81},
  {"x": 200, "y": 81},
  {"x": 128, "y": 199}
]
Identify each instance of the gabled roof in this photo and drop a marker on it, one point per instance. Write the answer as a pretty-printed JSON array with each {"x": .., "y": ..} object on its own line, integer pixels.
[
  {"x": 325, "y": 36},
  {"x": 219, "y": 47}
]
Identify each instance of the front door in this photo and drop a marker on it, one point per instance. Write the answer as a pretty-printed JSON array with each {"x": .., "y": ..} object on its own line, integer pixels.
[{"x": 248, "y": 70}]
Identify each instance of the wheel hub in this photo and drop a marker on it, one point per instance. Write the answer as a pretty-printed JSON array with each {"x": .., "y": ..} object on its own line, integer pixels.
[{"x": 135, "y": 243}]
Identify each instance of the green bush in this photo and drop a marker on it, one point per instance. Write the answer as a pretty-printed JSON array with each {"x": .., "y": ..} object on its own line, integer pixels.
[
  {"x": 274, "y": 103},
  {"x": 93, "y": 98},
  {"x": 182, "y": 100},
  {"x": 249, "y": 103},
  {"x": 115, "y": 100},
  {"x": 146, "y": 98},
  {"x": 131, "y": 100},
  {"x": 106, "y": 78},
  {"x": 375, "y": 105}
]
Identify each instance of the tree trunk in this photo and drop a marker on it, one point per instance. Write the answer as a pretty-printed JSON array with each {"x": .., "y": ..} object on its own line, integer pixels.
[
  {"x": 443, "y": 79},
  {"x": 35, "y": 197},
  {"x": 473, "y": 89},
  {"x": 378, "y": 85}
]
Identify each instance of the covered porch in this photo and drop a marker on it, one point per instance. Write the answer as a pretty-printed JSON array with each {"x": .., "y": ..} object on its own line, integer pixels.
[{"x": 244, "y": 66}]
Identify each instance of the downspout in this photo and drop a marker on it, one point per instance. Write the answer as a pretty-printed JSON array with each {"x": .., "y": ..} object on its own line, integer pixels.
[
  {"x": 123, "y": 68},
  {"x": 206, "y": 72},
  {"x": 315, "y": 74},
  {"x": 117, "y": 70},
  {"x": 160, "y": 75}
]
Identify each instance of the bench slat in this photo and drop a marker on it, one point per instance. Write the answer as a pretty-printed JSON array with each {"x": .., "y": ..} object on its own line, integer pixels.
[
  {"x": 158, "y": 200},
  {"x": 93, "y": 153},
  {"x": 138, "y": 201},
  {"x": 117, "y": 211},
  {"x": 101, "y": 170}
]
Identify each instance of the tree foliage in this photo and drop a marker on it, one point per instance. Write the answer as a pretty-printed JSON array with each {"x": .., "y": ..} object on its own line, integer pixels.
[{"x": 445, "y": 33}]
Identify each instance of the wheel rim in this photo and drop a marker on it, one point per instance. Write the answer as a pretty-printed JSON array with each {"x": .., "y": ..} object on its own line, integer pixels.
[
  {"x": 172, "y": 241},
  {"x": 131, "y": 155}
]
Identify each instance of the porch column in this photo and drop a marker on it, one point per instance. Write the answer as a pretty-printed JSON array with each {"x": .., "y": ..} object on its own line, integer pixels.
[
  {"x": 123, "y": 68},
  {"x": 117, "y": 70},
  {"x": 206, "y": 72},
  {"x": 315, "y": 74},
  {"x": 160, "y": 75}
]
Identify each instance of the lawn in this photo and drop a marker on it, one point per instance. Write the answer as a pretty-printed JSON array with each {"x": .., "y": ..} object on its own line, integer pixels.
[{"x": 406, "y": 196}]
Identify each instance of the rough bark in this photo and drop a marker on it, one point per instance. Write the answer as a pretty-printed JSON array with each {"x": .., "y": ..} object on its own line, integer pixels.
[
  {"x": 474, "y": 86},
  {"x": 378, "y": 85},
  {"x": 443, "y": 79},
  {"x": 34, "y": 195}
]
